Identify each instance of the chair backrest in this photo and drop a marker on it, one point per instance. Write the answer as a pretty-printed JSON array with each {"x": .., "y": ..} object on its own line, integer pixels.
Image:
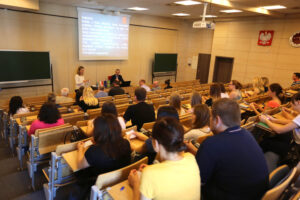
[
  {"x": 202, "y": 138},
  {"x": 117, "y": 176},
  {"x": 26, "y": 114},
  {"x": 122, "y": 101},
  {"x": 148, "y": 126},
  {"x": 103, "y": 99},
  {"x": 248, "y": 126},
  {"x": 63, "y": 110},
  {"x": 72, "y": 118},
  {"x": 64, "y": 148},
  {"x": 277, "y": 175},
  {"x": 121, "y": 96},
  {"x": 50, "y": 138},
  {"x": 274, "y": 193},
  {"x": 82, "y": 123},
  {"x": 93, "y": 113},
  {"x": 122, "y": 108}
]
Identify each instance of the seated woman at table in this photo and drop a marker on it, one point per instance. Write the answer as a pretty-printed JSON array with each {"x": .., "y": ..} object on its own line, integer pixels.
[
  {"x": 235, "y": 87},
  {"x": 215, "y": 94},
  {"x": 48, "y": 117},
  {"x": 177, "y": 175},
  {"x": 280, "y": 143},
  {"x": 175, "y": 101},
  {"x": 88, "y": 101},
  {"x": 196, "y": 99},
  {"x": 109, "y": 152},
  {"x": 200, "y": 118},
  {"x": 107, "y": 108},
  {"x": 224, "y": 94},
  {"x": 16, "y": 106},
  {"x": 275, "y": 92},
  {"x": 258, "y": 86}
]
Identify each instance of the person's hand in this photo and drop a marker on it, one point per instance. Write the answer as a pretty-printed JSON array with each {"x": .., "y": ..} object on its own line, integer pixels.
[
  {"x": 142, "y": 166},
  {"x": 284, "y": 109},
  {"x": 263, "y": 118},
  {"x": 134, "y": 179},
  {"x": 188, "y": 144},
  {"x": 80, "y": 146},
  {"x": 90, "y": 123},
  {"x": 253, "y": 106}
]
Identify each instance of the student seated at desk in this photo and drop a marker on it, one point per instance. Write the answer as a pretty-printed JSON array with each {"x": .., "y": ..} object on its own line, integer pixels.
[
  {"x": 101, "y": 92},
  {"x": 200, "y": 118},
  {"x": 175, "y": 101},
  {"x": 224, "y": 94},
  {"x": 196, "y": 99},
  {"x": 64, "y": 96},
  {"x": 16, "y": 106},
  {"x": 235, "y": 87},
  {"x": 109, "y": 152},
  {"x": 107, "y": 108},
  {"x": 215, "y": 94},
  {"x": 275, "y": 92},
  {"x": 88, "y": 101},
  {"x": 176, "y": 176},
  {"x": 48, "y": 117},
  {"x": 116, "y": 89}
]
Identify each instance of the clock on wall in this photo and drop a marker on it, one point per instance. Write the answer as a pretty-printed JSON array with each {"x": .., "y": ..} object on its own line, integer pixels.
[{"x": 295, "y": 40}]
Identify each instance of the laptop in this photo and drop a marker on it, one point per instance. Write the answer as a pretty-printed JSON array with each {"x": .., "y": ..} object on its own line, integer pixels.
[{"x": 126, "y": 84}]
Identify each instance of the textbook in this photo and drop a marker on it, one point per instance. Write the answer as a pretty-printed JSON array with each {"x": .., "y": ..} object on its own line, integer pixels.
[{"x": 264, "y": 126}]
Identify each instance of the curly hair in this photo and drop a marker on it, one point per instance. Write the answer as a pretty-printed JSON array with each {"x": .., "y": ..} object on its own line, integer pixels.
[
  {"x": 15, "y": 103},
  {"x": 49, "y": 113}
]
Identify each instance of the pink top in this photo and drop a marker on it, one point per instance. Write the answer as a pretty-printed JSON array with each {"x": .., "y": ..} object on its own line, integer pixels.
[
  {"x": 273, "y": 104},
  {"x": 37, "y": 124}
]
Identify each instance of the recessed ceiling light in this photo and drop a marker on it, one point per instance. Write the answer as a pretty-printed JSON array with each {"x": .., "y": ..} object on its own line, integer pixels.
[
  {"x": 188, "y": 2},
  {"x": 181, "y": 14},
  {"x": 275, "y": 7},
  {"x": 231, "y": 11},
  {"x": 209, "y": 16},
  {"x": 138, "y": 8}
]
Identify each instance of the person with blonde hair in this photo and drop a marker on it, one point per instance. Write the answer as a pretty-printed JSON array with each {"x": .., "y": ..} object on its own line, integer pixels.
[
  {"x": 88, "y": 101},
  {"x": 265, "y": 81},
  {"x": 175, "y": 101},
  {"x": 258, "y": 87}
]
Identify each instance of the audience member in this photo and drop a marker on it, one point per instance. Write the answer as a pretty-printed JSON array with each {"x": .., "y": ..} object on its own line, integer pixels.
[
  {"x": 116, "y": 89},
  {"x": 177, "y": 174},
  {"x": 88, "y": 101},
  {"x": 215, "y": 94},
  {"x": 109, "y": 151},
  {"x": 258, "y": 86},
  {"x": 16, "y": 106},
  {"x": 79, "y": 94},
  {"x": 141, "y": 112},
  {"x": 224, "y": 94},
  {"x": 175, "y": 101},
  {"x": 296, "y": 79},
  {"x": 265, "y": 81},
  {"x": 64, "y": 98},
  {"x": 48, "y": 116},
  {"x": 168, "y": 84},
  {"x": 275, "y": 92},
  {"x": 155, "y": 86},
  {"x": 235, "y": 87},
  {"x": 232, "y": 165},
  {"x": 196, "y": 99},
  {"x": 200, "y": 119},
  {"x": 101, "y": 92},
  {"x": 142, "y": 84}
]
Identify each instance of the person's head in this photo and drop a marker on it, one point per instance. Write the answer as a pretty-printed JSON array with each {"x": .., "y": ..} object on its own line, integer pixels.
[
  {"x": 296, "y": 102},
  {"x": 64, "y": 92},
  {"x": 235, "y": 85},
  {"x": 108, "y": 135},
  {"x": 80, "y": 70},
  {"x": 275, "y": 90},
  {"x": 225, "y": 114},
  {"x": 15, "y": 103},
  {"x": 167, "y": 82},
  {"x": 140, "y": 94},
  {"x": 258, "y": 83},
  {"x": 167, "y": 137},
  {"x": 265, "y": 81},
  {"x": 167, "y": 111},
  {"x": 116, "y": 83},
  {"x": 101, "y": 88},
  {"x": 52, "y": 98},
  {"x": 175, "y": 101},
  {"x": 117, "y": 71},
  {"x": 142, "y": 82},
  {"x": 222, "y": 88},
  {"x": 88, "y": 97},
  {"x": 155, "y": 84},
  {"x": 81, "y": 89},
  {"x": 296, "y": 76},
  {"x": 109, "y": 108},
  {"x": 196, "y": 99},
  {"x": 49, "y": 113},
  {"x": 215, "y": 90},
  {"x": 200, "y": 116}
]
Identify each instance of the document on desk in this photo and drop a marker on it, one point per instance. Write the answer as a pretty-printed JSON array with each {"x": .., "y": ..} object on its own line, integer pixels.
[{"x": 132, "y": 136}]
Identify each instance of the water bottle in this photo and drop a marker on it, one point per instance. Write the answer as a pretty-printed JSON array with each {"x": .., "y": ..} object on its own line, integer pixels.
[{"x": 105, "y": 84}]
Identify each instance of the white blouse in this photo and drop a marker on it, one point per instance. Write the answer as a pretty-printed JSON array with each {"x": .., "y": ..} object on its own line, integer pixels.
[{"x": 79, "y": 81}]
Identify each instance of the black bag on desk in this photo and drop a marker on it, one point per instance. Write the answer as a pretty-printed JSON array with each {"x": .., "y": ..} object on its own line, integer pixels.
[{"x": 75, "y": 135}]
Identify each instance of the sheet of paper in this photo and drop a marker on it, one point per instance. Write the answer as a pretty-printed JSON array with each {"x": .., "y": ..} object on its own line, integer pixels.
[
  {"x": 132, "y": 136},
  {"x": 88, "y": 143}
]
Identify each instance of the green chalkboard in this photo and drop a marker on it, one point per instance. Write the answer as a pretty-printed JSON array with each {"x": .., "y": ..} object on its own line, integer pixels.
[
  {"x": 165, "y": 62},
  {"x": 24, "y": 65}
]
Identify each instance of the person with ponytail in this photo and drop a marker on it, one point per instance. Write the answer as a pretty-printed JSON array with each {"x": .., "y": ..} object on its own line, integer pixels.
[
  {"x": 276, "y": 93},
  {"x": 176, "y": 176}
]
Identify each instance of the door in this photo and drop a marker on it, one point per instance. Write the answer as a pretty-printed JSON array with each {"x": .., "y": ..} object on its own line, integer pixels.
[
  {"x": 223, "y": 69},
  {"x": 203, "y": 67}
]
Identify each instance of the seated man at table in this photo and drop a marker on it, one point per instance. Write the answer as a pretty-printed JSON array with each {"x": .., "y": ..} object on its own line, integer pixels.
[
  {"x": 101, "y": 92},
  {"x": 141, "y": 112},
  {"x": 296, "y": 79},
  {"x": 116, "y": 89},
  {"x": 142, "y": 84},
  {"x": 116, "y": 77},
  {"x": 231, "y": 163},
  {"x": 155, "y": 86},
  {"x": 64, "y": 98}
]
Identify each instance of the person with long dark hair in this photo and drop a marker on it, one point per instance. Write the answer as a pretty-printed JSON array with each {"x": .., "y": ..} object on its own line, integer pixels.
[
  {"x": 16, "y": 106},
  {"x": 48, "y": 116},
  {"x": 176, "y": 175},
  {"x": 214, "y": 93}
]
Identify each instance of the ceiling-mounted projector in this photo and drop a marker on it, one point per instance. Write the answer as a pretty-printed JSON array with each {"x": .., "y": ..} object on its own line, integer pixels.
[{"x": 203, "y": 23}]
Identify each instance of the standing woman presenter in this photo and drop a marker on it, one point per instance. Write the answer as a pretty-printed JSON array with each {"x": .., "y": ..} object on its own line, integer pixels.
[{"x": 79, "y": 78}]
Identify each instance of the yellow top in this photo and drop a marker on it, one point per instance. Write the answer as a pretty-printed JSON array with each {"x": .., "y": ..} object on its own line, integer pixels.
[{"x": 172, "y": 180}]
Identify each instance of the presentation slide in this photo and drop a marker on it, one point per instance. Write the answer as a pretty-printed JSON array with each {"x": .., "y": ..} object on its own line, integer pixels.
[{"x": 102, "y": 36}]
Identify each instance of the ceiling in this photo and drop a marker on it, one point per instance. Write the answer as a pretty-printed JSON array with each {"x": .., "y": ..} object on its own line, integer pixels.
[{"x": 166, "y": 8}]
